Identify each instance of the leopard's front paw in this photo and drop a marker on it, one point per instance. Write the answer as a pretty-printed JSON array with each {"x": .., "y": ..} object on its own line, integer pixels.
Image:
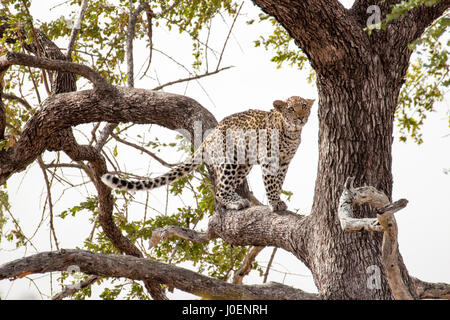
[
  {"x": 238, "y": 204},
  {"x": 278, "y": 206}
]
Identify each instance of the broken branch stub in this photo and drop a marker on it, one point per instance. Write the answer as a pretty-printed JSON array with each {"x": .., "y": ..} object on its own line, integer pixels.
[{"x": 384, "y": 221}]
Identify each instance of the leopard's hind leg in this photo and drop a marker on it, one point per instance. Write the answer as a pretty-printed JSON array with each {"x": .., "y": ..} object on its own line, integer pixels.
[{"x": 229, "y": 176}]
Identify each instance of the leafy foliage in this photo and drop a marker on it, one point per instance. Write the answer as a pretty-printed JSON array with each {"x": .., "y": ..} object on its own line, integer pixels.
[{"x": 426, "y": 81}]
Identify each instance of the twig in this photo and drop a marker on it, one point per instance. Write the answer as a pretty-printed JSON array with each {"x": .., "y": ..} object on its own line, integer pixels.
[
  {"x": 228, "y": 36},
  {"x": 269, "y": 264},
  {"x": 38, "y": 47},
  {"x": 49, "y": 199},
  {"x": 190, "y": 78},
  {"x": 16, "y": 223},
  {"x": 153, "y": 155}
]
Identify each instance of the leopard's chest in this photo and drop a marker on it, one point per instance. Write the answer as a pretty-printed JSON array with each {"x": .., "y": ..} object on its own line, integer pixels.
[{"x": 288, "y": 148}]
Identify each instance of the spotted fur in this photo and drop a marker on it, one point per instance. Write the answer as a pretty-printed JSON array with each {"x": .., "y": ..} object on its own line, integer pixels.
[{"x": 239, "y": 141}]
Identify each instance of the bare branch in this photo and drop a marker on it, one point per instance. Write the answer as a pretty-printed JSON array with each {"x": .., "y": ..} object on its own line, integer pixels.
[
  {"x": 246, "y": 264},
  {"x": 49, "y": 200},
  {"x": 70, "y": 290},
  {"x": 63, "y": 165},
  {"x": 18, "y": 99},
  {"x": 151, "y": 154},
  {"x": 76, "y": 29},
  {"x": 142, "y": 269},
  {"x": 392, "y": 208},
  {"x": 191, "y": 78},
  {"x": 269, "y": 264},
  {"x": 389, "y": 254}
]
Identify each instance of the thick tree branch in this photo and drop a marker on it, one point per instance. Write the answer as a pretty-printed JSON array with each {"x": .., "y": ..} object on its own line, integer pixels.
[
  {"x": 323, "y": 29},
  {"x": 257, "y": 226},
  {"x": 144, "y": 269},
  {"x": 193, "y": 77},
  {"x": 2, "y": 107},
  {"x": 173, "y": 111},
  {"x": 389, "y": 253},
  {"x": 415, "y": 21},
  {"x": 142, "y": 149}
]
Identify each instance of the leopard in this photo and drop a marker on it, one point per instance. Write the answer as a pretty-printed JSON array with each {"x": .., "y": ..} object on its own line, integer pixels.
[{"x": 240, "y": 141}]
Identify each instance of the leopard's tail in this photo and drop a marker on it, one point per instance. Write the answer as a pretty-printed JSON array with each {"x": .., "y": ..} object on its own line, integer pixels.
[{"x": 176, "y": 173}]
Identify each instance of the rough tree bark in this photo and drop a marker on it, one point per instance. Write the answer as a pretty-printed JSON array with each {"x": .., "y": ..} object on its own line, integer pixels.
[{"x": 359, "y": 79}]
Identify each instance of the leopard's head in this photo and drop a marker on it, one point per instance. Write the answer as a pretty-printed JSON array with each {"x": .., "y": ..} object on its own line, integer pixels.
[{"x": 295, "y": 111}]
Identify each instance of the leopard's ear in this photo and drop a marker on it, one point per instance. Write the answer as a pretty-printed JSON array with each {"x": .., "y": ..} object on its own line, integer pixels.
[{"x": 278, "y": 104}]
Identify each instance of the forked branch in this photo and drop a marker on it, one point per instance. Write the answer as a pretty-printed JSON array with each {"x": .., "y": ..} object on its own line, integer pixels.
[{"x": 385, "y": 222}]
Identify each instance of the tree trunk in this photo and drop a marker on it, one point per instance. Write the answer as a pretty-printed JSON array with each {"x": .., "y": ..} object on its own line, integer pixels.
[
  {"x": 359, "y": 77},
  {"x": 355, "y": 139}
]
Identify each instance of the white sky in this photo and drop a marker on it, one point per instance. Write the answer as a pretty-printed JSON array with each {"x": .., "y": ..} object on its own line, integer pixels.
[{"x": 254, "y": 82}]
